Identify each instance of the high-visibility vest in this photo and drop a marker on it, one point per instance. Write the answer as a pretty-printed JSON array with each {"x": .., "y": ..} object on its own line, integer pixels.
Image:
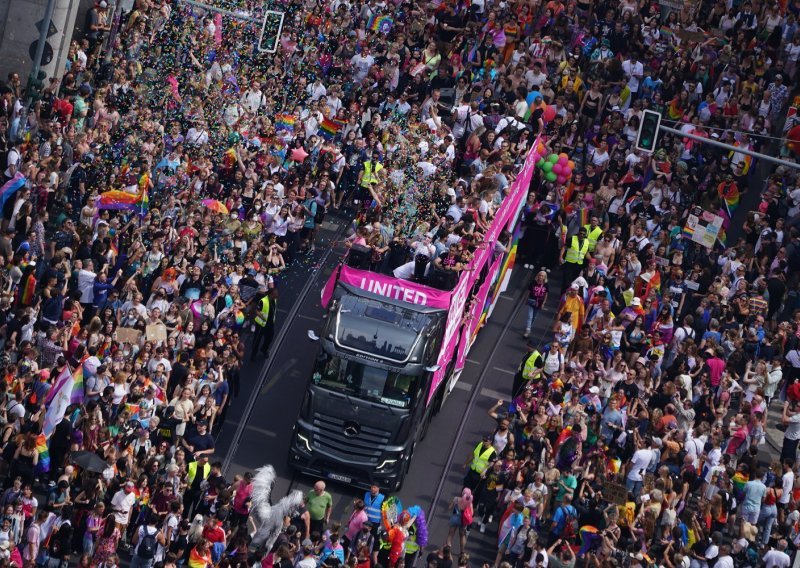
[
  {"x": 593, "y": 235},
  {"x": 374, "y": 507},
  {"x": 529, "y": 369},
  {"x": 480, "y": 458},
  {"x": 371, "y": 170},
  {"x": 192, "y": 470},
  {"x": 262, "y": 317},
  {"x": 411, "y": 541},
  {"x": 576, "y": 253}
]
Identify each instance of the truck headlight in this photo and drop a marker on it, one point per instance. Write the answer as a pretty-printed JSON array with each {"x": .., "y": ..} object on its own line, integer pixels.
[
  {"x": 304, "y": 442},
  {"x": 389, "y": 463}
]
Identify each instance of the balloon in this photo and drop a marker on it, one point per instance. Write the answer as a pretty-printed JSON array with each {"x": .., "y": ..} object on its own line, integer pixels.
[
  {"x": 548, "y": 167},
  {"x": 557, "y": 169},
  {"x": 563, "y": 155},
  {"x": 561, "y": 179},
  {"x": 566, "y": 172},
  {"x": 793, "y": 139},
  {"x": 532, "y": 97},
  {"x": 552, "y": 158},
  {"x": 563, "y": 161},
  {"x": 540, "y": 163},
  {"x": 550, "y": 176},
  {"x": 549, "y": 113},
  {"x": 541, "y": 149},
  {"x": 298, "y": 155}
]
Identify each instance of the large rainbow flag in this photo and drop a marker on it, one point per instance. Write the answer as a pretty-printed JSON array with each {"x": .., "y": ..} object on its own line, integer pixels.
[
  {"x": 11, "y": 187},
  {"x": 43, "y": 466},
  {"x": 124, "y": 201},
  {"x": 77, "y": 395}
]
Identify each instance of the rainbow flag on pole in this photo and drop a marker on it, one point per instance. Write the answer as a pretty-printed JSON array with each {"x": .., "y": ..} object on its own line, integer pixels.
[
  {"x": 43, "y": 466},
  {"x": 329, "y": 128},
  {"x": 117, "y": 200},
  {"x": 78, "y": 393},
  {"x": 285, "y": 122}
]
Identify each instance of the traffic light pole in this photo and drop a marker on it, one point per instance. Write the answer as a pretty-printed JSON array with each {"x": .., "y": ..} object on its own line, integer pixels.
[{"x": 745, "y": 151}]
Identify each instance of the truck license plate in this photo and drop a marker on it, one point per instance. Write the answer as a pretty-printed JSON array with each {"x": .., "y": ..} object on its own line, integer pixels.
[{"x": 337, "y": 477}]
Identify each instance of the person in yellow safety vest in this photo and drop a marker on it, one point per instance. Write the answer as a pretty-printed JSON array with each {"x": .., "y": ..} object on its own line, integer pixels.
[
  {"x": 370, "y": 173},
  {"x": 411, "y": 546},
  {"x": 530, "y": 368},
  {"x": 573, "y": 255},
  {"x": 264, "y": 322},
  {"x": 196, "y": 473},
  {"x": 479, "y": 461},
  {"x": 593, "y": 232}
]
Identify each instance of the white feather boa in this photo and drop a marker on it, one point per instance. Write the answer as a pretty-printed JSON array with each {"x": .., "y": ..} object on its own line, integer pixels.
[{"x": 268, "y": 517}]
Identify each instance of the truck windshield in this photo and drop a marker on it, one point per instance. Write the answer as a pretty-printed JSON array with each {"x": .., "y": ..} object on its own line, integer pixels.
[{"x": 364, "y": 381}]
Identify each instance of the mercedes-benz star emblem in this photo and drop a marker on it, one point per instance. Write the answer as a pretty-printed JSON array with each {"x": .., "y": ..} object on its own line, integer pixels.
[{"x": 352, "y": 429}]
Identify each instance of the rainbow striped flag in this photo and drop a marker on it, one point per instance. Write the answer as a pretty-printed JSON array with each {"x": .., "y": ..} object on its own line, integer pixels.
[
  {"x": 117, "y": 200},
  {"x": 77, "y": 395},
  {"x": 143, "y": 202},
  {"x": 11, "y": 187},
  {"x": 381, "y": 24},
  {"x": 285, "y": 122},
  {"x": 329, "y": 128},
  {"x": 43, "y": 466}
]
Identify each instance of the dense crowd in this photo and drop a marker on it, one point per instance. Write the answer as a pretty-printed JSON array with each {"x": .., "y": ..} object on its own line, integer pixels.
[{"x": 155, "y": 194}]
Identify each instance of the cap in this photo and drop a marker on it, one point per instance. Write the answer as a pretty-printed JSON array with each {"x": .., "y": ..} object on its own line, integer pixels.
[
  {"x": 573, "y": 287},
  {"x": 594, "y": 390},
  {"x": 487, "y": 437},
  {"x": 642, "y": 361},
  {"x": 103, "y": 4},
  {"x": 636, "y": 302},
  {"x": 130, "y": 484},
  {"x": 44, "y": 374}
]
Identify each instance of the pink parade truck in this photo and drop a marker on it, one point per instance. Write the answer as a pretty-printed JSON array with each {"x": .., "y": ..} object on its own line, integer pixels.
[{"x": 390, "y": 352}]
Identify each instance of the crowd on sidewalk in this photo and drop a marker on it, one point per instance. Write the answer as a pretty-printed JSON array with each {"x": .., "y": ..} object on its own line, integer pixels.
[{"x": 154, "y": 195}]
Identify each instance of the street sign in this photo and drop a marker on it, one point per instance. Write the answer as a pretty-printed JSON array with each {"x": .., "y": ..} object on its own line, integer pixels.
[{"x": 51, "y": 30}]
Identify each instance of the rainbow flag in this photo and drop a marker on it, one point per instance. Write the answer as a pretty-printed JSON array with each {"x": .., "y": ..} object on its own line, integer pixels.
[
  {"x": 43, "y": 466},
  {"x": 285, "y": 122},
  {"x": 57, "y": 401},
  {"x": 78, "y": 393},
  {"x": 196, "y": 560},
  {"x": 584, "y": 213},
  {"x": 329, "y": 128},
  {"x": 118, "y": 200},
  {"x": 143, "y": 202},
  {"x": 381, "y": 24},
  {"x": 11, "y": 187}
]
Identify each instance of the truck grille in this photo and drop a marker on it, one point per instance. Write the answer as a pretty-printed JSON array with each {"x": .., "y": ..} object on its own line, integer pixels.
[{"x": 329, "y": 435}]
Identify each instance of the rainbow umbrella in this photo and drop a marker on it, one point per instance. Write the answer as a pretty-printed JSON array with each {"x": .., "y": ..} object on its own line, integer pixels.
[{"x": 215, "y": 206}]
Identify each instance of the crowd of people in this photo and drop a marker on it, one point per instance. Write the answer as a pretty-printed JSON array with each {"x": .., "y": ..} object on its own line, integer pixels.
[{"x": 157, "y": 192}]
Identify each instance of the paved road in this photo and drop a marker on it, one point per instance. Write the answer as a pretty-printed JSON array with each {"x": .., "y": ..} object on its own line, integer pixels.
[{"x": 434, "y": 471}]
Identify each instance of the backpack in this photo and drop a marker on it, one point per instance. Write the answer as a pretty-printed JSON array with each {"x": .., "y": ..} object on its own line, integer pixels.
[
  {"x": 147, "y": 546},
  {"x": 466, "y": 516},
  {"x": 571, "y": 527}
]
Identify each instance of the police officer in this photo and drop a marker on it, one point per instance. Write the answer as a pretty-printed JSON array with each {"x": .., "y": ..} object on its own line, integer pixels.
[
  {"x": 479, "y": 461},
  {"x": 573, "y": 255},
  {"x": 530, "y": 368},
  {"x": 265, "y": 322}
]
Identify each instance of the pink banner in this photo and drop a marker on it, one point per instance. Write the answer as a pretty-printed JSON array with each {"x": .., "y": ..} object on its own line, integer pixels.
[
  {"x": 453, "y": 347},
  {"x": 389, "y": 287}
]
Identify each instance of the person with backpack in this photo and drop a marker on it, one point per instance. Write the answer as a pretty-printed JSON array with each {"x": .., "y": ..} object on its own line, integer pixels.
[
  {"x": 60, "y": 542},
  {"x": 565, "y": 522},
  {"x": 461, "y": 514},
  {"x": 145, "y": 543}
]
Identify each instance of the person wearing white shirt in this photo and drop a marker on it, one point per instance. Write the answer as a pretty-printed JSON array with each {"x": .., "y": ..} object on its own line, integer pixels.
[
  {"x": 634, "y": 71},
  {"x": 197, "y": 136},
  {"x": 253, "y": 99},
  {"x": 362, "y": 63},
  {"x": 637, "y": 467},
  {"x": 86, "y": 280},
  {"x": 787, "y": 484},
  {"x": 316, "y": 90},
  {"x": 777, "y": 557},
  {"x": 724, "y": 560}
]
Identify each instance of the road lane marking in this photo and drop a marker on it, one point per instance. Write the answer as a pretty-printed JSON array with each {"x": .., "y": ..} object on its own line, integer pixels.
[
  {"x": 493, "y": 394},
  {"x": 506, "y": 371},
  {"x": 463, "y": 386}
]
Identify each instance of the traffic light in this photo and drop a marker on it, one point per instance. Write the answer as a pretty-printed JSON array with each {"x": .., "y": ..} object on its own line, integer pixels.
[{"x": 648, "y": 131}]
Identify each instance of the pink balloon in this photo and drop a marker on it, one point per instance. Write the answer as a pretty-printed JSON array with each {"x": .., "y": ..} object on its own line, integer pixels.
[
  {"x": 298, "y": 155},
  {"x": 561, "y": 179},
  {"x": 557, "y": 169},
  {"x": 549, "y": 113},
  {"x": 563, "y": 161},
  {"x": 566, "y": 172}
]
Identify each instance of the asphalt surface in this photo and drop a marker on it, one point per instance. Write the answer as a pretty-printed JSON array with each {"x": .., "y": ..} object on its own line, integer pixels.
[{"x": 436, "y": 472}]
